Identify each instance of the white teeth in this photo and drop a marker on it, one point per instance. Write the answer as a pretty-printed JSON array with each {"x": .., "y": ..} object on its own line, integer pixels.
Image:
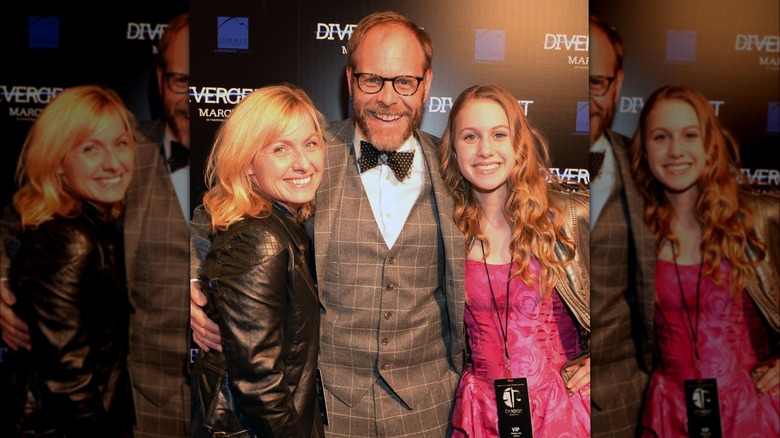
[
  {"x": 486, "y": 166},
  {"x": 387, "y": 117},
  {"x": 301, "y": 181},
  {"x": 677, "y": 167},
  {"x": 110, "y": 181}
]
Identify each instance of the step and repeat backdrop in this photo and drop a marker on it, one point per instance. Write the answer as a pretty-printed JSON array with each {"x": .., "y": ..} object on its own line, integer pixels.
[
  {"x": 729, "y": 50},
  {"x": 49, "y": 46},
  {"x": 537, "y": 49}
]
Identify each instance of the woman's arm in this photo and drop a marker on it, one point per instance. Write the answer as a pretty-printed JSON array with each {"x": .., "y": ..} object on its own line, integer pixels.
[
  {"x": 251, "y": 299},
  {"x": 49, "y": 274}
]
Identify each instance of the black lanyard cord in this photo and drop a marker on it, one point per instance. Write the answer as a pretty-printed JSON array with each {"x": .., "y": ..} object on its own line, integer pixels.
[
  {"x": 694, "y": 329},
  {"x": 495, "y": 304}
]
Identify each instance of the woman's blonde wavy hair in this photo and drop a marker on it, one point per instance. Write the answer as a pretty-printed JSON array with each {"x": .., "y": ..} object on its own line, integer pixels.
[
  {"x": 536, "y": 223},
  {"x": 73, "y": 116},
  {"x": 261, "y": 118},
  {"x": 727, "y": 223}
]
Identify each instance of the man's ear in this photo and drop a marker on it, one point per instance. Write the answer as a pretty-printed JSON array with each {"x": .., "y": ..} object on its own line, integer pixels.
[
  {"x": 160, "y": 80},
  {"x": 427, "y": 79},
  {"x": 349, "y": 80},
  {"x": 618, "y": 84}
]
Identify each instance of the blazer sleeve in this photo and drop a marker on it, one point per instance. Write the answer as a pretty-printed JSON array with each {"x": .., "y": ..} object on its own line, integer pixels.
[
  {"x": 250, "y": 295},
  {"x": 200, "y": 239}
]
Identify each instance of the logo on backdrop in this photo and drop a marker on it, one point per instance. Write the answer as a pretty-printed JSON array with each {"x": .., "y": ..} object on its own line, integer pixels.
[
  {"x": 680, "y": 45},
  {"x": 571, "y": 175},
  {"x": 762, "y": 177},
  {"x": 439, "y": 104},
  {"x": 232, "y": 34},
  {"x": 489, "y": 45},
  {"x": 575, "y": 46},
  {"x": 524, "y": 104},
  {"x": 43, "y": 32},
  {"x": 763, "y": 46},
  {"x": 145, "y": 31},
  {"x": 216, "y": 103},
  {"x": 633, "y": 105},
  {"x": 630, "y": 105},
  {"x": 335, "y": 32},
  {"x": 773, "y": 118},
  {"x": 583, "y": 117},
  {"x": 24, "y": 102},
  {"x": 444, "y": 104}
]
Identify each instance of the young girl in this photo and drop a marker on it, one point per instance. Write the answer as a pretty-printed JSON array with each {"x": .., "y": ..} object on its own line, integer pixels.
[
  {"x": 527, "y": 286},
  {"x": 717, "y": 283}
]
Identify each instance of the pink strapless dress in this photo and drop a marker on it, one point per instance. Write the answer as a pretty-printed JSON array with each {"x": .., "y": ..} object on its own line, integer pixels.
[
  {"x": 541, "y": 336},
  {"x": 731, "y": 338}
]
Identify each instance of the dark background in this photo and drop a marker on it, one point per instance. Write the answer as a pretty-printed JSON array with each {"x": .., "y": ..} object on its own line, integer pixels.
[
  {"x": 704, "y": 44},
  {"x": 287, "y": 42}
]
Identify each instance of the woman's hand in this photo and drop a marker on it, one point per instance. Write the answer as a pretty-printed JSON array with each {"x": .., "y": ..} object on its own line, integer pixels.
[
  {"x": 770, "y": 380},
  {"x": 205, "y": 332},
  {"x": 580, "y": 381},
  {"x": 16, "y": 334}
]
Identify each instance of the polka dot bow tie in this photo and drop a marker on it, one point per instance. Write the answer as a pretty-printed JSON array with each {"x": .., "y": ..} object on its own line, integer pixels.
[{"x": 399, "y": 162}]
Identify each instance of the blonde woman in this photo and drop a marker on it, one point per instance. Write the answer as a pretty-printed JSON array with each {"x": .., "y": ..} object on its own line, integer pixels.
[
  {"x": 68, "y": 271},
  {"x": 717, "y": 311},
  {"x": 527, "y": 285},
  {"x": 258, "y": 273}
]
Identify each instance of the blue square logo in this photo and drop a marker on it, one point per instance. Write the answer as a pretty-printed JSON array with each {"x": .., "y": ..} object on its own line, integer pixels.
[
  {"x": 233, "y": 33},
  {"x": 680, "y": 45},
  {"x": 490, "y": 45},
  {"x": 43, "y": 32},
  {"x": 583, "y": 116},
  {"x": 773, "y": 118}
]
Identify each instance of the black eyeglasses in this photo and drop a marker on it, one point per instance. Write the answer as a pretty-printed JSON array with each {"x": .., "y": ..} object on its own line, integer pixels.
[
  {"x": 178, "y": 82},
  {"x": 599, "y": 85},
  {"x": 370, "y": 83}
]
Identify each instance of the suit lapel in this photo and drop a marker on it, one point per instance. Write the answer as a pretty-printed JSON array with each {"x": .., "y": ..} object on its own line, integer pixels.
[
  {"x": 454, "y": 250},
  {"x": 338, "y": 138},
  {"x": 644, "y": 241},
  {"x": 137, "y": 202}
]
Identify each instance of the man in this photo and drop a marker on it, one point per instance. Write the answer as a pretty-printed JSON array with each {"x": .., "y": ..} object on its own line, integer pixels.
[
  {"x": 622, "y": 266},
  {"x": 389, "y": 257},
  {"x": 157, "y": 259},
  {"x": 172, "y": 132}
]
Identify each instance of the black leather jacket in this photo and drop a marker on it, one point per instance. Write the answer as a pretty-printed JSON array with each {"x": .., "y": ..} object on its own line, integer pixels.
[
  {"x": 69, "y": 279},
  {"x": 258, "y": 278}
]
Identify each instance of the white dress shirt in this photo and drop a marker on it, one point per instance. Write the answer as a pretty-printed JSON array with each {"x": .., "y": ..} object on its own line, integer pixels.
[{"x": 392, "y": 200}]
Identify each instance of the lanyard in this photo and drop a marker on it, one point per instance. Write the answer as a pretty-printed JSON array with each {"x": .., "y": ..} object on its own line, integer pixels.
[
  {"x": 495, "y": 305},
  {"x": 694, "y": 329}
]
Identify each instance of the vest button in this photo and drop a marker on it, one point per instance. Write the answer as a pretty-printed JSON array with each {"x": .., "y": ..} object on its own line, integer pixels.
[
  {"x": 391, "y": 260},
  {"x": 389, "y": 287},
  {"x": 385, "y": 341},
  {"x": 388, "y": 315}
]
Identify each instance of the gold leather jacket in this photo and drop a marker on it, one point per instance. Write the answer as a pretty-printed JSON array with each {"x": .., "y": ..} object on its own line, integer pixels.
[
  {"x": 764, "y": 289},
  {"x": 575, "y": 288}
]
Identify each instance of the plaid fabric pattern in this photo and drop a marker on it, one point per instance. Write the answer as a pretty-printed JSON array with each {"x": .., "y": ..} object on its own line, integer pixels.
[
  {"x": 622, "y": 300},
  {"x": 384, "y": 346},
  {"x": 157, "y": 251}
]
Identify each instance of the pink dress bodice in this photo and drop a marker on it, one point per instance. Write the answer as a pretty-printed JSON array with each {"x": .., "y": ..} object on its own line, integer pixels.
[
  {"x": 731, "y": 338},
  {"x": 541, "y": 336}
]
